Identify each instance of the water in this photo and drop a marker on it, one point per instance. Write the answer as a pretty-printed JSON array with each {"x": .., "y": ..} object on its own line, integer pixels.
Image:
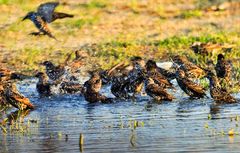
[{"x": 183, "y": 125}]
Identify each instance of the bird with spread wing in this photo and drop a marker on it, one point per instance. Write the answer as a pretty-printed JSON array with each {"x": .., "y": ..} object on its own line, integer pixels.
[{"x": 45, "y": 14}]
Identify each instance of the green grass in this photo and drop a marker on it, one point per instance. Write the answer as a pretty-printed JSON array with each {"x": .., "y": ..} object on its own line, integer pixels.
[
  {"x": 112, "y": 31},
  {"x": 79, "y": 23},
  {"x": 13, "y": 1},
  {"x": 93, "y": 4},
  {"x": 191, "y": 14}
]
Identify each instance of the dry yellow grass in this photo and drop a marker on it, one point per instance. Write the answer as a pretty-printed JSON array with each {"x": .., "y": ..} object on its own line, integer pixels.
[{"x": 119, "y": 29}]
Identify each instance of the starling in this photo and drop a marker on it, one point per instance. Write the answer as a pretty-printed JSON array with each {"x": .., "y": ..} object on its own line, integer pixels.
[
  {"x": 167, "y": 73},
  {"x": 71, "y": 87},
  {"x": 93, "y": 86},
  {"x": 134, "y": 85},
  {"x": 117, "y": 87},
  {"x": 209, "y": 48},
  {"x": 95, "y": 82},
  {"x": 108, "y": 74},
  {"x": 45, "y": 14},
  {"x": 160, "y": 79},
  {"x": 43, "y": 86},
  {"x": 155, "y": 91},
  {"x": 189, "y": 68},
  {"x": 223, "y": 68},
  {"x": 7, "y": 75},
  {"x": 78, "y": 61},
  {"x": 15, "y": 98},
  {"x": 93, "y": 97},
  {"x": 52, "y": 71},
  {"x": 3, "y": 101},
  {"x": 218, "y": 93},
  {"x": 189, "y": 87},
  {"x": 134, "y": 81}
]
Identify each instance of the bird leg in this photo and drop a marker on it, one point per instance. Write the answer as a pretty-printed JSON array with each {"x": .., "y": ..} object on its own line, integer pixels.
[{"x": 35, "y": 33}]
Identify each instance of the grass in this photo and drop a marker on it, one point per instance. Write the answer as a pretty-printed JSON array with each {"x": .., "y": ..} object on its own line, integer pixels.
[
  {"x": 112, "y": 31},
  {"x": 93, "y": 4},
  {"x": 191, "y": 14}
]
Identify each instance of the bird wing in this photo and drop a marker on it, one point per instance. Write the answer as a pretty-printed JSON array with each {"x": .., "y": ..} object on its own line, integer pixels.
[
  {"x": 46, "y": 11},
  {"x": 193, "y": 86},
  {"x": 156, "y": 90},
  {"x": 160, "y": 79},
  {"x": 43, "y": 27},
  {"x": 16, "y": 99}
]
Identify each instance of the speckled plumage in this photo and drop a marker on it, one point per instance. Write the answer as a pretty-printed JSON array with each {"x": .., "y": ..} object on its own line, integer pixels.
[
  {"x": 71, "y": 87},
  {"x": 52, "y": 71},
  {"x": 15, "y": 98},
  {"x": 218, "y": 93},
  {"x": 43, "y": 86},
  {"x": 93, "y": 87},
  {"x": 117, "y": 87},
  {"x": 191, "y": 69},
  {"x": 189, "y": 87},
  {"x": 45, "y": 14},
  {"x": 223, "y": 68},
  {"x": 155, "y": 91},
  {"x": 160, "y": 79},
  {"x": 94, "y": 83},
  {"x": 3, "y": 101},
  {"x": 134, "y": 81},
  {"x": 94, "y": 97}
]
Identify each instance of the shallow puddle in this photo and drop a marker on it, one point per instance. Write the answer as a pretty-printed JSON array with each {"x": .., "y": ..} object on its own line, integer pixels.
[{"x": 183, "y": 125}]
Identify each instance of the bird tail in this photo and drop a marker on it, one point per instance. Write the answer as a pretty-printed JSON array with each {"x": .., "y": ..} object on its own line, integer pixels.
[{"x": 59, "y": 15}]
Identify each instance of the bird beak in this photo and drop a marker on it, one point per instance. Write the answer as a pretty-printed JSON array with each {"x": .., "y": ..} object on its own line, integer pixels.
[
  {"x": 26, "y": 17},
  {"x": 2, "y": 75}
]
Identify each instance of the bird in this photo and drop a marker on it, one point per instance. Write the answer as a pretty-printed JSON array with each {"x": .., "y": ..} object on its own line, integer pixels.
[
  {"x": 155, "y": 91},
  {"x": 93, "y": 87},
  {"x": 93, "y": 97},
  {"x": 79, "y": 60},
  {"x": 167, "y": 73},
  {"x": 43, "y": 86},
  {"x": 133, "y": 83},
  {"x": 15, "y": 98},
  {"x": 117, "y": 87},
  {"x": 108, "y": 74},
  {"x": 223, "y": 68},
  {"x": 3, "y": 101},
  {"x": 188, "y": 86},
  {"x": 52, "y": 71},
  {"x": 217, "y": 92},
  {"x": 7, "y": 75},
  {"x": 95, "y": 82},
  {"x": 45, "y": 14},
  {"x": 209, "y": 48},
  {"x": 69, "y": 87},
  {"x": 191, "y": 69},
  {"x": 159, "y": 78}
]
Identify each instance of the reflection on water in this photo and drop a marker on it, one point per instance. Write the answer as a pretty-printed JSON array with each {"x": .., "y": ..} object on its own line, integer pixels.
[{"x": 140, "y": 126}]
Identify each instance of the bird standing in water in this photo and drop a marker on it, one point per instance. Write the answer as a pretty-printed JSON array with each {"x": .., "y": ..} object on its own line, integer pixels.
[
  {"x": 43, "y": 86},
  {"x": 93, "y": 87},
  {"x": 223, "y": 69},
  {"x": 45, "y": 14},
  {"x": 15, "y": 98},
  {"x": 191, "y": 69},
  {"x": 157, "y": 92},
  {"x": 152, "y": 71},
  {"x": 218, "y": 93},
  {"x": 95, "y": 82},
  {"x": 52, "y": 71},
  {"x": 134, "y": 82},
  {"x": 189, "y": 87}
]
